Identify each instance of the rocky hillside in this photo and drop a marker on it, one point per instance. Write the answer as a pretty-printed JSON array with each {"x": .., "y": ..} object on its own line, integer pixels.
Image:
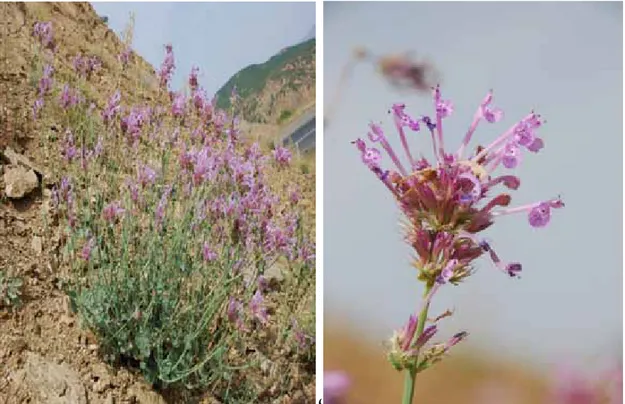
[{"x": 275, "y": 91}]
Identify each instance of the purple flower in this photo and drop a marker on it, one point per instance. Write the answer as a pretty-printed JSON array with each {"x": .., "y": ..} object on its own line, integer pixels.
[
  {"x": 146, "y": 175},
  {"x": 44, "y": 32},
  {"x": 539, "y": 214},
  {"x": 262, "y": 283},
  {"x": 193, "y": 78},
  {"x": 85, "y": 254},
  {"x": 99, "y": 147},
  {"x": 133, "y": 123},
  {"x": 202, "y": 166},
  {"x": 282, "y": 155},
  {"x": 159, "y": 214},
  {"x": 45, "y": 83},
  {"x": 85, "y": 66},
  {"x": 167, "y": 67},
  {"x": 69, "y": 147},
  {"x": 112, "y": 211},
  {"x": 303, "y": 340},
  {"x": 69, "y": 97},
  {"x": 335, "y": 386},
  {"x": 447, "y": 272},
  {"x": 257, "y": 307},
  {"x": 425, "y": 336},
  {"x": 112, "y": 107},
  {"x": 454, "y": 192},
  {"x": 294, "y": 196},
  {"x": 124, "y": 57},
  {"x": 177, "y": 108},
  {"x": 37, "y": 106},
  {"x": 134, "y": 191},
  {"x": 456, "y": 339},
  {"x": 234, "y": 313},
  {"x": 198, "y": 98},
  {"x": 208, "y": 254},
  {"x": 407, "y": 335}
]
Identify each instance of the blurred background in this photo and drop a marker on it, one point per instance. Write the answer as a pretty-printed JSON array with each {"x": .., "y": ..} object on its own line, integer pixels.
[{"x": 565, "y": 61}]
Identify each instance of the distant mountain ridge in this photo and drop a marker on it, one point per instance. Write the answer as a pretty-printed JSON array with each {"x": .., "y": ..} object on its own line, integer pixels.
[{"x": 273, "y": 91}]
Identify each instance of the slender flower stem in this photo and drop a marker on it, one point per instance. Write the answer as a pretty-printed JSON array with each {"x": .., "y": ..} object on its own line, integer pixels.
[
  {"x": 411, "y": 374},
  {"x": 409, "y": 387}
]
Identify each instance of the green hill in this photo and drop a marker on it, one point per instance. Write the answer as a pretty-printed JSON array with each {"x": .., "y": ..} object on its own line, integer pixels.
[{"x": 273, "y": 91}]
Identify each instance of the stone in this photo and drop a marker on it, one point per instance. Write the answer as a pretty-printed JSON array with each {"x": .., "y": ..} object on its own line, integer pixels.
[
  {"x": 19, "y": 182},
  {"x": 17, "y": 159},
  {"x": 109, "y": 399},
  {"x": 37, "y": 245},
  {"x": 53, "y": 383},
  {"x": 100, "y": 386},
  {"x": 100, "y": 373},
  {"x": 274, "y": 273}
]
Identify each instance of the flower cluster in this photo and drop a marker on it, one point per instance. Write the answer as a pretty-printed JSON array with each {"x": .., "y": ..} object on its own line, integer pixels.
[
  {"x": 124, "y": 57},
  {"x": 447, "y": 202},
  {"x": 44, "y": 32},
  {"x": 45, "y": 82},
  {"x": 45, "y": 86},
  {"x": 86, "y": 65},
  {"x": 69, "y": 97},
  {"x": 335, "y": 386},
  {"x": 178, "y": 105},
  {"x": 132, "y": 123},
  {"x": 193, "y": 83},
  {"x": 167, "y": 67},
  {"x": 282, "y": 155},
  {"x": 112, "y": 107}
]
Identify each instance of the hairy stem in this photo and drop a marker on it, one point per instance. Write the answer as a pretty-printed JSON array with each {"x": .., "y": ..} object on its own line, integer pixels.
[{"x": 411, "y": 374}]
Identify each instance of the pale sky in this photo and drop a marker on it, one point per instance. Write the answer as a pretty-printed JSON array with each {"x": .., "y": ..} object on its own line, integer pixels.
[
  {"x": 220, "y": 38},
  {"x": 564, "y": 60}
]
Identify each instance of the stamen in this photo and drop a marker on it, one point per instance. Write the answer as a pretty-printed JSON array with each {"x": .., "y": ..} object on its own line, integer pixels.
[{"x": 502, "y": 138}]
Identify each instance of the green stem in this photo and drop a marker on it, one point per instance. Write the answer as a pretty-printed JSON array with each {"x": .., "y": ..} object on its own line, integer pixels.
[
  {"x": 411, "y": 374},
  {"x": 409, "y": 387}
]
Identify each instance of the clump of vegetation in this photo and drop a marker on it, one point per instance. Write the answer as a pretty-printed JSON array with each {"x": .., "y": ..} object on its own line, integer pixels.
[
  {"x": 190, "y": 250},
  {"x": 285, "y": 116},
  {"x": 10, "y": 291}
]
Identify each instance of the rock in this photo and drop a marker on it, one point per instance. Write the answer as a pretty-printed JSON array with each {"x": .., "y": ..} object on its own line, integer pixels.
[
  {"x": 100, "y": 386},
  {"x": 17, "y": 159},
  {"x": 265, "y": 365},
  {"x": 274, "y": 273},
  {"x": 54, "y": 384},
  {"x": 17, "y": 346},
  {"x": 109, "y": 399},
  {"x": 37, "y": 245},
  {"x": 144, "y": 396},
  {"x": 67, "y": 320},
  {"x": 19, "y": 182},
  {"x": 100, "y": 374}
]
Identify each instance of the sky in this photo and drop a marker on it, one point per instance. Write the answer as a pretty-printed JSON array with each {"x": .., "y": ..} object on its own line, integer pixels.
[
  {"x": 563, "y": 59},
  {"x": 219, "y": 38}
]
